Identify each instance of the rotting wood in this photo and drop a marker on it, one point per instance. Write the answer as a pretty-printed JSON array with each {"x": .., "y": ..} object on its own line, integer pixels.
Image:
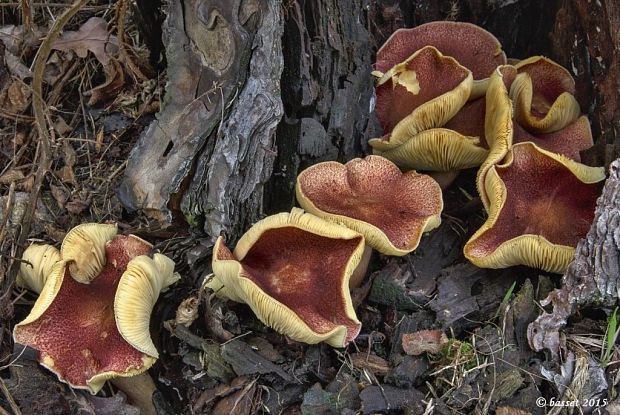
[
  {"x": 586, "y": 40},
  {"x": 327, "y": 91}
]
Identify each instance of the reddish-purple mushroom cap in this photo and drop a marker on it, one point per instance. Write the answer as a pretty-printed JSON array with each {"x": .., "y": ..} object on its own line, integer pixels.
[
  {"x": 543, "y": 95},
  {"x": 293, "y": 270},
  {"x": 472, "y": 46},
  {"x": 372, "y": 196},
  {"x": 570, "y": 141},
  {"x": 94, "y": 328},
  {"x": 422, "y": 92},
  {"x": 541, "y": 205}
]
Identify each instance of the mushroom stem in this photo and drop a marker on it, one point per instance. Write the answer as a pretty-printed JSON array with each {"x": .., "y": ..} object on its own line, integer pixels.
[
  {"x": 444, "y": 178},
  {"x": 360, "y": 272},
  {"x": 139, "y": 389}
]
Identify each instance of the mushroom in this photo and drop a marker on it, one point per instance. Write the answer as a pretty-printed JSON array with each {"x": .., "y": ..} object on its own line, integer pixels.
[
  {"x": 37, "y": 262},
  {"x": 293, "y": 270},
  {"x": 422, "y": 92},
  {"x": 501, "y": 130},
  {"x": 540, "y": 205},
  {"x": 437, "y": 149},
  {"x": 498, "y": 124},
  {"x": 472, "y": 46},
  {"x": 569, "y": 141},
  {"x": 90, "y": 322},
  {"x": 543, "y": 94},
  {"x": 371, "y": 196}
]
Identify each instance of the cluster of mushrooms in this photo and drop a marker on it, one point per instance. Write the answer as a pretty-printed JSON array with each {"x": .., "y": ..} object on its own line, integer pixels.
[
  {"x": 91, "y": 320},
  {"x": 443, "y": 108}
]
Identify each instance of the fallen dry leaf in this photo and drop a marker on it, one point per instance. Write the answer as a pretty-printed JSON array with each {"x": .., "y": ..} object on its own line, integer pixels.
[
  {"x": 22, "y": 182},
  {"x": 66, "y": 173},
  {"x": 187, "y": 311},
  {"x": 239, "y": 402},
  {"x": 91, "y": 36},
  {"x": 424, "y": 341},
  {"x": 114, "y": 82},
  {"x": 14, "y": 94},
  {"x": 61, "y": 126},
  {"x": 16, "y": 67},
  {"x": 60, "y": 195},
  {"x": 77, "y": 204},
  {"x": 11, "y": 175},
  {"x": 18, "y": 41},
  {"x": 17, "y": 97}
]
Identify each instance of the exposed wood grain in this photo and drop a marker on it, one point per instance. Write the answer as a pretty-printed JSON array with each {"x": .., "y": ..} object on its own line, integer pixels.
[{"x": 197, "y": 160}]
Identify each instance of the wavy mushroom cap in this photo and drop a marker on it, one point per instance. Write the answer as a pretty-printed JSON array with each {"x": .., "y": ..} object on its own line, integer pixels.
[
  {"x": 72, "y": 323},
  {"x": 422, "y": 92},
  {"x": 472, "y": 46},
  {"x": 541, "y": 205},
  {"x": 37, "y": 264},
  {"x": 498, "y": 124},
  {"x": 437, "y": 149},
  {"x": 371, "y": 195},
  {"x": 293, "y": 270},
  {"x": 570, "y": 141},
  {"x": 84, "y": 249},
  {"x": 543, "y": 93}
]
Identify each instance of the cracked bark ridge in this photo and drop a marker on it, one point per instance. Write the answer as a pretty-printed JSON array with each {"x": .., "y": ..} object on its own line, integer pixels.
[
  {"x": 242, "y": 159},
  {"x": 585, "y": 40},
  {"x": 593, "y": 278},
  {"x": 327, "y": 91},
  {"x": 216, "y": 53}
]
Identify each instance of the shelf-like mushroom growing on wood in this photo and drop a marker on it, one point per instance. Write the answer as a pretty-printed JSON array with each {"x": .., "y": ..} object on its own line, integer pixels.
[
  {"x": 90, "y": 322},
  {"x": 293, "y": 270}
]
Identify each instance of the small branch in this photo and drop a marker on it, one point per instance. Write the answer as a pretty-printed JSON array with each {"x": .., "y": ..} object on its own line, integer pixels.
[{"x": 26, "y": 15}]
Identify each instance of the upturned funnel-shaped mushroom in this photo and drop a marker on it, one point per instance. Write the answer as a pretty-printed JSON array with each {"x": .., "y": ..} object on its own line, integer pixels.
[
  {"x": 541, "y": 204},
  {"x": 96, "y": 328},
  {"x": 472, "y": 46},
  {"x": 420, "y": 93},
  {"x": 293, "y": 270},
  {"x": 371, "y": 195},
  {"x": 543, "y": 95}
]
